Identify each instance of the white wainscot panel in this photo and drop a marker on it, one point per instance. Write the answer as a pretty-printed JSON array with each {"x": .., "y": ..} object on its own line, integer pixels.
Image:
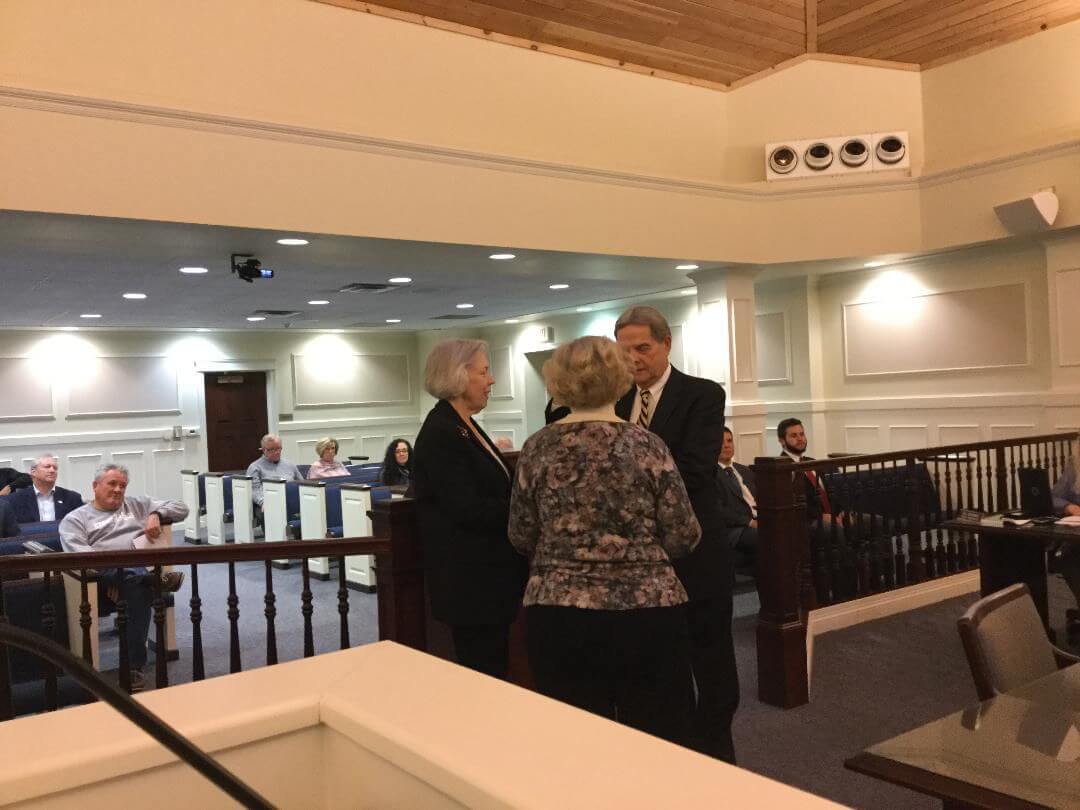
[
  {"x": 908, "y": 437},
  {"x": 135, "y": 461},
  {"x": 862, "y": 438},
  {"x": 305, "y": 448},
  {"x": 1068, "y": 294},
  {"x": 742, "y": 339},
  {"x": 77, "y": 471},
  {"x": 374, "y": 446},
  {"x": 325, "y": 379},
  {"x": 7, "y": 462},
  {"x": 120, "y": 386},
  {"x": 167, "y": 465},
  {"x": 680, "y": 357},
  {"x": 1011, "y": 431},
  {"x": 27, "y": 392},
  {"x": 502, "y": 369},
  {"x": 773, "y": 348},
  {"x": 959, "y": 434},
  {"x": 749, "y": 446}
]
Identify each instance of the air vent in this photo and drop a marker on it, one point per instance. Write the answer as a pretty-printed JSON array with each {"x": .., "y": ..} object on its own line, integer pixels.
[
  {"x": 277, "y": 313},
  {"x": 366, "y": 287},
  {"x": 453, "y": 317}
]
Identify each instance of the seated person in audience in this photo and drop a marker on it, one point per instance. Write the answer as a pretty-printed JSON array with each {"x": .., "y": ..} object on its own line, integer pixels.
[
  {"x": 397, "y": 464},
  {"x": 739, "y": 502},
  {"x": 270, "y": 465},
  {"x": 115, "y": 521},
  {"x": 44, "y": 500},
  {"x": 553, "y": 412},
  {"x": 9, "y": 526},
  {"x": 327, "y": 466},
  {"x": 504, "y": 443},
  {"x": 1067, "y": 502},
  {"x": 11, "y": 480},
  {"x": 792, "y": 438},
  {"x": 600, "y": 509}
]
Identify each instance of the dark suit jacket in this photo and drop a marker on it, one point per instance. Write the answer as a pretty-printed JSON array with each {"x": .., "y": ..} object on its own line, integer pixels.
[
  {"x": 814, "y": 507},
  {"x": 24, "y": 502},
  {"x": 474, "y": 576},
  {"x": 690, "y": 420},
  {"x": 9, "y": 526},
  {"x": 736, "y": 510}
]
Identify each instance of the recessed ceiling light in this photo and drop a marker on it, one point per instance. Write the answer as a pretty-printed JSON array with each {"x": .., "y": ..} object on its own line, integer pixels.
[
  {"x": 464, "y": 306},
  {"x": 254, "y": 318},
  {"x": 688, "y": 291},
  {"x": 874, "y": 264},
  {"x": 292, "y": 241},
  {"x": 90, "y": 315},
  {"x": 69, "y": 329},
  {"x": 202, "y": 329},
  {"x": 135, "y": 296},
  {"x": 686, "y": 267},
  {"x": 400, "y": 280},
  {"x": 501, "y": 257},
  {"x": 338, "y": 331},
  {"x": 393, "y": 320},
  {"x": 511, "y": 320},
  {"x": 557, "y": 286},
  {"x": 318, "y": 302},
  {"x": 584, "y": 309},
  {"x": 194, "y": 271}
]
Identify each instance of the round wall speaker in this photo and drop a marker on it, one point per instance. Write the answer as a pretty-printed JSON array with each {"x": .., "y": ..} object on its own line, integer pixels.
[
  {"x": 854, "y": 153},
  {"x": 890, "y": 149},
  {"x": 819, "y": 156},
  {"x": 783, "y": 159}
]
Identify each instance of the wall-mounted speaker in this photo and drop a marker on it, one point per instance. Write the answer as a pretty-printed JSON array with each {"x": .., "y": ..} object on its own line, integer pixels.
[
  {"x": 843, "y": 154},
  {"x": 1031, "y": 214}
]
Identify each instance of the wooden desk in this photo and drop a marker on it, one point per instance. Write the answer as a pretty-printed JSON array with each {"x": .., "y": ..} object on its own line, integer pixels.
[
  {"x": 1011, "y": 554},
  {"x": 1019, "y": 750}
]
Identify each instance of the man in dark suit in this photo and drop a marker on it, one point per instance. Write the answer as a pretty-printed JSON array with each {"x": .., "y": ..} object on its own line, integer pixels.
[
  {"x": 688, "y": 414},
  {"x": 44, "y": 500},
  {"x": 738, "y": 501},
  {"x": 793, "y": 443}
]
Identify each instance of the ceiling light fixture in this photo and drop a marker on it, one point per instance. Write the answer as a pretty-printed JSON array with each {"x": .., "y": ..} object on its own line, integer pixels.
[
  {"x": 69, "y": 329},
  {"x": 464, "y": 306},
  {"x": 501, "y": 257},
  {"x": 583, "y": 309},
  {"x": 319, "y": 302},
  {"x": 134, "y": 296},
  {"x": 254, "y": 318},
  {"x": 874, "y": 264},
  {"x": 90, "y": 315},
  {"x": 393, "y": 320},
  {"x": 202, "y": 329},
  {"x": 292, "y": 241},
  {"x": 194, "y": 271},
  {"x": 557, "y": 286},
  {"x": 688, "y": 291},
  {"x": 686, "y": 266},
  {"x": 400, "y": 280},
  {"x": 511, "y": 320}
]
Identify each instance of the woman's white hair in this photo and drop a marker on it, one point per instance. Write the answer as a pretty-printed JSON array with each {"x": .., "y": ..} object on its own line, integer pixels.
[{"x": 445, "y": 374}]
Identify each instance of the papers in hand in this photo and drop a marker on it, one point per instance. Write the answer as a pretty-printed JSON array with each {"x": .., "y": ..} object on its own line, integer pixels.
[{"x": 1071, "y": 520}]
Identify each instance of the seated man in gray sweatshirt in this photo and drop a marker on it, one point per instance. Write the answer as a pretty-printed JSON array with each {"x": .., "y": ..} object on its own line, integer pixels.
[
  {"x": 270, "y": 465},
  {"x": 115, "y": 521}
]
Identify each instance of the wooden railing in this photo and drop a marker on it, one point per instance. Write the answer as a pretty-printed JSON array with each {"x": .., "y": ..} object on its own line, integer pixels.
[{"x": 886, "y": 533}]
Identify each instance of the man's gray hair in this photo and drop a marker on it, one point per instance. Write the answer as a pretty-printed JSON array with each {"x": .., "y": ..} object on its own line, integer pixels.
[
  {"x": 445, "y": 374},
  {"x": 108, "y": 467},
  {"x": 42, "y": 458},
  {"x": 269, "y": 437},
  {"x": 645, "y": 316}
]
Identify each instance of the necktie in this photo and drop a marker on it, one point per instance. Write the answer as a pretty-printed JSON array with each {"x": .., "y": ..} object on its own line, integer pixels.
[
  {"x": 822, "y": 495},
  {"x": 736, "y": 487},
  {"x": 643, "y": 415}
]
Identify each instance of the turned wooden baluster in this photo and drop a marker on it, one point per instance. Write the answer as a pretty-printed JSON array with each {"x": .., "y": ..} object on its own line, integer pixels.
[
  {"x": 121, "y": 629},
  {"x": 233, "y": 612},
  {"x": 887, "y": 542},
  {"x": 343, "y": 603},
  {"x": 7, "y": 710},
  {"x": 920, "y": 557},
  {"x": 270, "y": 611},
  {"x": 306, "y": 609},
  {"x": 48, "y": 629},
  {"x": 1014, "y": 478},
  {"x": 198, "y": 669},
  {"x": 993, "y": 502},
  {"x": 161, "y": 654},
  {"x": 895, "y": 518},
  {"x": 1001, "y": 480},
  {"x": 84, "y": 618},
  {"x": 977, "y": 475}
]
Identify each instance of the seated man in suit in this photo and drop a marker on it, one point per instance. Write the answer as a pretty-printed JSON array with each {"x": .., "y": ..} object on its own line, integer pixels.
[
  {"x": 116, "y": 521},
  {"x": 793, "y": 443},
  {"x": 44, "y": 500},
  {"x": 738, "y": 501},
  {"x": 9, "y": 526}
]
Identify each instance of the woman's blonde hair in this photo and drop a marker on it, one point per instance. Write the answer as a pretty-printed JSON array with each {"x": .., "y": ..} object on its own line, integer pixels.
[
  {"x": 445, "y": 374},
  {"x": 322, "y": 444},
  {"x": 589, "y": 372}
]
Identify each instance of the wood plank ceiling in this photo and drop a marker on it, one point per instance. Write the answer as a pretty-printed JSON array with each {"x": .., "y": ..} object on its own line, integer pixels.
[{"x": 721, "y": 42}]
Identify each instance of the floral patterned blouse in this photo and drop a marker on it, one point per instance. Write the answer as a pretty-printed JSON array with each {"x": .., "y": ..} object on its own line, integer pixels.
[{"x": 599, "y": 508}]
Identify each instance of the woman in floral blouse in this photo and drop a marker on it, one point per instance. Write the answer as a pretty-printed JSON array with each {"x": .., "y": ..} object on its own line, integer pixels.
[{"x": 599, "y": 508}]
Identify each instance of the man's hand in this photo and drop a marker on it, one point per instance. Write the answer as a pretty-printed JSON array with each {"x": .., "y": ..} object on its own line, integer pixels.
[
  {"x": 753, "y": 523},
  {"x": 153, "y": 526},
  {"x": 1072, "y": 509},
  {"x": 5, "y": 491}
]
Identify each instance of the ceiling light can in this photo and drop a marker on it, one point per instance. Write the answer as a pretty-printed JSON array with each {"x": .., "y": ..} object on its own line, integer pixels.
[
  {"x": 783, "y": 160},
  {"x": 819, "y": 156},
  {"x": 890, "y": 149},
  {"x": 854, "y": 153}
]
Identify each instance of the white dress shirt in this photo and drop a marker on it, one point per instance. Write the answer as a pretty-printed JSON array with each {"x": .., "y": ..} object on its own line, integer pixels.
[
  {"x": 46, "y": 505},
  {"x": 655, "y": 390},
  {"x": 747, "y": 495}
]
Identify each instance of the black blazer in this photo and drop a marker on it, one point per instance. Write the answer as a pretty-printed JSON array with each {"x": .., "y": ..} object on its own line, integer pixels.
[
  {"x": 690, "y": 420},
  {"x": 9, "y": 526},
  {"x": 736, "y": 510},
  {"x": 24, "y": 502},
  {"x": 474, "y": 575},
  {"x": 814, "y": 507}
]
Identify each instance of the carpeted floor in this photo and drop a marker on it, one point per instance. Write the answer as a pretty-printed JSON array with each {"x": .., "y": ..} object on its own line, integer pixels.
[{"x": 870, "y": 682}]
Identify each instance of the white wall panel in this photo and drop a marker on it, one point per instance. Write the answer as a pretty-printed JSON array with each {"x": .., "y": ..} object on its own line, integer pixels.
[
  {"x": 1068, "y": 294},
  {"x": 908, "y": 437},
  {"x": 77, "y": 472},
  {"x": 1012, "y": 431},
  {"x": 742, "y": 340},
  {"x": 350, "y": 379},
  {"x": 773, "y": 348},
  {"x": 374, "y": 446},
  {"x": 862, "y": 439},
  {"x": 27, "y": 391},
  {"x": 135, "y": 461},
  {"x": 502, "y": 369},
  {"x": 748, "y": 446},
  {"x": 120, "y": 386},
  {"x": 166, "y": 478},
  {"x": 959, "y": 434}
]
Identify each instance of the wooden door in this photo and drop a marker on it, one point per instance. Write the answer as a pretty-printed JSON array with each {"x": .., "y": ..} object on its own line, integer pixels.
[{"x": 235, "y": 418}]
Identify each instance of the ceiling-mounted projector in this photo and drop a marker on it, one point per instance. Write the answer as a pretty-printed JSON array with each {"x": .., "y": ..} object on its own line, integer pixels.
[
  {"x": 248, "y": 268},
  {"x": 1031, "y": 214}
]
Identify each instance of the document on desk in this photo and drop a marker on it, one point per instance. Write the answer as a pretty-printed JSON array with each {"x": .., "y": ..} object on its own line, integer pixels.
[{"x": 1070, "y": 520}]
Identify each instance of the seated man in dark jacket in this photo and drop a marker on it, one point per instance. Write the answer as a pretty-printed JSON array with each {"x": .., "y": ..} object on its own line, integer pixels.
[
  {"x": 738, "y": 501},
  {"x": 44, "y": 500}
]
